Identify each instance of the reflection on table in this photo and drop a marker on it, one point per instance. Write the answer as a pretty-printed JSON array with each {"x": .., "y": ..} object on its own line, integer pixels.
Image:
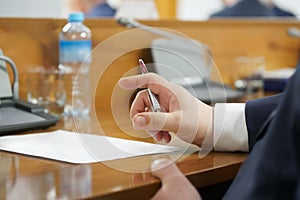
[{"x": 38, "y": 178}]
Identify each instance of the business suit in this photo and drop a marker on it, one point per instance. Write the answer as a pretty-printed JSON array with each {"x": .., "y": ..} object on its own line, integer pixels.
[
  {"x": 101, "y": 10},
  {"x": 272, "y": 170},
  {"x": 252, "y": 8}
]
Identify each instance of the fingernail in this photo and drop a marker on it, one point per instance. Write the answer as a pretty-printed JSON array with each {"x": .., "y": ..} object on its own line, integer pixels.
[
  {"x": 120, "y": 81},
  {"x": 160, "y": 163},
  {"x": 140, "y": 121},
  {"x": 166, "y": 139}
]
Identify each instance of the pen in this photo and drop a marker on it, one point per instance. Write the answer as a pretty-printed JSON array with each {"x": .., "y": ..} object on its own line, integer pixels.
[{"x": 153, "y": 100}]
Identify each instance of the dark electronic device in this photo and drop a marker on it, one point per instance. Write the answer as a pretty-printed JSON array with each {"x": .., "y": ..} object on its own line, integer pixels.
[{"x": 17, "y": 115}]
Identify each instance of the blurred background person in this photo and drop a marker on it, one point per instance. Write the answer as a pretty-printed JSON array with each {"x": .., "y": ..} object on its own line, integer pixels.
[
  {"x": 139, "y": 9},
  {"x": 94, "y": 8},
  {"x": 251, "y": 8}
]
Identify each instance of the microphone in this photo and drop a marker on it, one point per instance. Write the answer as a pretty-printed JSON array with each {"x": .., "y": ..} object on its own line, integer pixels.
[
  {"x": 15, "y": 89},
  {"x": 128, "y": 22},
  {"x": 190, "y": 60},
  {"x": 186, "y": 49},
  {"x": 131, "y": 23}
]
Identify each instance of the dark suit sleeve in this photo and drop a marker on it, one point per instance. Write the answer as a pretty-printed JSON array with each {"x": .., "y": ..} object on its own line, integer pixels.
[
  {"x": 257, "y": 111},
  {"x": 272, "y": 169}
]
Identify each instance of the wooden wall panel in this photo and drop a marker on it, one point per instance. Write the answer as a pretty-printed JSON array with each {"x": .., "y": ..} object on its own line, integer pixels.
[
  {"x": 34, "y": 42},
  {"x": 231, "y": 38},
  {"x": 167, "y": 9}
]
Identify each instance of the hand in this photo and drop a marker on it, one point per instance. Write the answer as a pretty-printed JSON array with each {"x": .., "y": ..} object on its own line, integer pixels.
[
  {"x": 174, "y": 184},
  {"x": 181, "y": 113}
]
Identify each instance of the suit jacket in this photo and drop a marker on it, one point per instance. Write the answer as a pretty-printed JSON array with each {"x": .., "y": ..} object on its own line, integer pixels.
[
  {"x": 272, "y": 169},
  {"x": 101, "y": 10},
  {"x": 252, "y": 8}
]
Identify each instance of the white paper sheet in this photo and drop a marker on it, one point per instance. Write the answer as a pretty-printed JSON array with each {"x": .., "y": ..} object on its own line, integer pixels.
[{"x": 79, "y": 147}]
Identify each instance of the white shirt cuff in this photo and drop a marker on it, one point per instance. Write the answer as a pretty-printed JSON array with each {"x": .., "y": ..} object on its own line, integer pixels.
[{"x": 230, "y": 130}]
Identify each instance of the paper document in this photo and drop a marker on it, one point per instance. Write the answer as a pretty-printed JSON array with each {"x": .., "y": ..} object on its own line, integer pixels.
[
  {"x": 79, "y": 147},
  {"x": 283, "y": 73}
]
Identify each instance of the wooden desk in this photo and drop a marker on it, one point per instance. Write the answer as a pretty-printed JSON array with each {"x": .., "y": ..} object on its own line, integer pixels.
[
  {"x": 33, "y": 42},
  {"x": 27, "y": 176}
]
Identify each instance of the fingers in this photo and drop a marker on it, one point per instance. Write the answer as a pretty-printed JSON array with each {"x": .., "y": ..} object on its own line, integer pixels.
[
  {"x": 142, "y": 119},
  {"x": 140, "y": 104},
  {"x": 142, "y": 81},
  {"x": 157, "y": 121},
  {"x": 153, "y": 121},
  {"x": 161, "y": 136}
]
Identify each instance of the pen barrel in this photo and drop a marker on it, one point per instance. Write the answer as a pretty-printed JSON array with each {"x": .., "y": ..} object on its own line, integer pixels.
[{"x": 154, "y": 101}]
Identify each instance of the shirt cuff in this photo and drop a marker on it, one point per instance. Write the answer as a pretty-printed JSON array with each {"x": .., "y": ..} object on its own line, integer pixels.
[{"x": 230, "y": 131}]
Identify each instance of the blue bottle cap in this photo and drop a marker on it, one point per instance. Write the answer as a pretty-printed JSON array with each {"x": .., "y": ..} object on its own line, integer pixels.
[{"x": 76, "y": 17}]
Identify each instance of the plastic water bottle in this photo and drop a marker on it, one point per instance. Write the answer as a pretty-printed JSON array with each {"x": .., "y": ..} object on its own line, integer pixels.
[{"x": 74, "y": 60}]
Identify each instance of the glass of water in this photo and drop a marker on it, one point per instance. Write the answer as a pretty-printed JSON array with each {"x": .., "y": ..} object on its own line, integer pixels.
[
  {"x": 45, "y": 87},
  {"x": 248, "y": 74}
]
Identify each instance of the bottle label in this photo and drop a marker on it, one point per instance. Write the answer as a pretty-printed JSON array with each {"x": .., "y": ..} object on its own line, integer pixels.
[{"x": 75, "y": 51}]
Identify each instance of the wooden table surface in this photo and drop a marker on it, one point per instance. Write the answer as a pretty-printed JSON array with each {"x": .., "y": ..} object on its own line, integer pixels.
[{"x": 38, "y": 178}]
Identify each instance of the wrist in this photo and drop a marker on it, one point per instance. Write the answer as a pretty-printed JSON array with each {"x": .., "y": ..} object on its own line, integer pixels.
[{"x": 205, "y": 124}]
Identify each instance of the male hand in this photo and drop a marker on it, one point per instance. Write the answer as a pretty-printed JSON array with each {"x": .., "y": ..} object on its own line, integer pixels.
[{"x": 181, "y": 113}]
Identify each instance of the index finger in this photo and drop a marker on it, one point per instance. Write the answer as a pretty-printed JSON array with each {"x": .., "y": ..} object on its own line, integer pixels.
[{"x": 141, "y": 81}]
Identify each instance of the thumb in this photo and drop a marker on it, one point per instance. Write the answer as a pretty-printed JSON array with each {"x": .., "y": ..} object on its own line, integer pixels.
[{"x": 157, "y": 121}]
